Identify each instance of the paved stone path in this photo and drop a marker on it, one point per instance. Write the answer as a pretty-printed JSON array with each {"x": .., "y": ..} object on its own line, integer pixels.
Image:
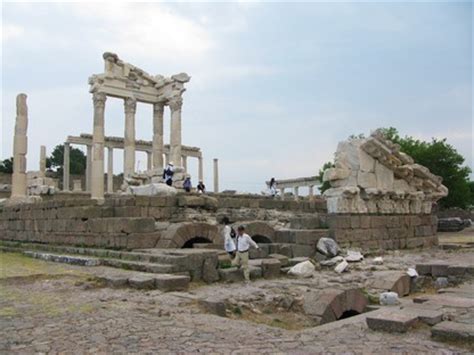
[{"x": 71, "y": 314}]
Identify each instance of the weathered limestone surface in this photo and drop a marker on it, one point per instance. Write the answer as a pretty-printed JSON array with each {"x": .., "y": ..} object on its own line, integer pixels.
[
  {"x": 372, "y": 175},
  {"x": 20, "y": 148}
]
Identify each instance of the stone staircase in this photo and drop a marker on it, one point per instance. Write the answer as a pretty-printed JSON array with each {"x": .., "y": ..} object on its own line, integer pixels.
[{"x": 159, "y": 269}]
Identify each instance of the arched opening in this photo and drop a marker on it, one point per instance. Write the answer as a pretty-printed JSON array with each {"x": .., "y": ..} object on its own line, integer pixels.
[
  {"x": 349, "y": 313},
  {"x": 196, "y": 240},
  {"x": 261, "y": 239}
]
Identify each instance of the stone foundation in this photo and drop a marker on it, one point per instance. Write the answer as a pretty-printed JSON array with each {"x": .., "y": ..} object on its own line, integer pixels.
[{"x": 385, "y": 232}]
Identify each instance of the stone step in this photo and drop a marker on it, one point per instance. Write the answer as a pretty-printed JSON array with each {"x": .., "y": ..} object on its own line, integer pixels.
[
  {"x": 300, "y": 236},
  {"x": 163, "y": 282},
  {"x": 68, "y": 259},
  {"x": 453, "y": 331},
  {"x": 139, "y": 266},
  {"x": 393, "y": 321},
  {"x": 234, "y": 274},
  {"x": 93, "y": 261}
]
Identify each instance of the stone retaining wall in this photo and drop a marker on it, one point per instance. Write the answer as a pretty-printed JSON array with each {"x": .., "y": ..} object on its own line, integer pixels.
[
  {"x": 131, "y": 221},
  {"x": 383, "y": 232}
]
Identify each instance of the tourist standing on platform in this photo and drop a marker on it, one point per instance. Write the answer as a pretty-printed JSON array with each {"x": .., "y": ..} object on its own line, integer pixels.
[
  {"x": 201, "y": 188},
  {"x": 187, "y": 184},
  {"x": 244, "y": 242},
  {"x": 272, "y": 187},
  {"x": 168, "y": 174}
]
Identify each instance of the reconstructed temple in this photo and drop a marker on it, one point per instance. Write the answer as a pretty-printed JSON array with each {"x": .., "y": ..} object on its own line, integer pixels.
[{"x": 125, "y": 81}]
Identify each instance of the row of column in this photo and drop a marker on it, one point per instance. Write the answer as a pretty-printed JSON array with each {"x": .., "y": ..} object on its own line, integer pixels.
[
  {"x": 296, "y": 191},
  {"x": 110, "y": 166}
]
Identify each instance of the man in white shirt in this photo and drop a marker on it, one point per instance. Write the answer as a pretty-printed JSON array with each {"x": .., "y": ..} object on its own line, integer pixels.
[{"x": 244, "y": 242}]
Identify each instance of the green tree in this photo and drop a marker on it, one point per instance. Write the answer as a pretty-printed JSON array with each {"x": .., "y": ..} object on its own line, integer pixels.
[
  {"x": 6, "y": 166},
  {"x": 325, "y": 185},
  {"x": 442, "y": 159},
  {"x": 77, "y": 160}
]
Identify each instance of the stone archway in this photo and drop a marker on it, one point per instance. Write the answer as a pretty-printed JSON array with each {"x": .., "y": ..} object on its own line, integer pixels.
[
  {"x": 177, "y": 235},
  {"x": 260, "y": 232},
  {"x": 333, "y": 304}
]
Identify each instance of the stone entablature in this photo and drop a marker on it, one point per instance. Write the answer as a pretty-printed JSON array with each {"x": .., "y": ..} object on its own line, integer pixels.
[
  {"x": 124, "y": 80},
  {"x": 372, "y": 175}
]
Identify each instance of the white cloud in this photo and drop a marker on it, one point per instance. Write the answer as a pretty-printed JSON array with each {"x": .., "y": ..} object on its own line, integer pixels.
[{"x": 11, "y": 32}]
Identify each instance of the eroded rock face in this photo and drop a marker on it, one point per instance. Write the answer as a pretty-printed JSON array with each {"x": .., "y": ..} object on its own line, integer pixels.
[{"x": 372, "y": 175}]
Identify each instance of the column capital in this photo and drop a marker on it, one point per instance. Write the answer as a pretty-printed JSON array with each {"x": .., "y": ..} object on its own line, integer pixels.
[
  {"x": 158, "y": 107},
  {"x": 130, "y": 105},
  {"x": 175, "y": 103},
  {"x": 99, "y": 99}
]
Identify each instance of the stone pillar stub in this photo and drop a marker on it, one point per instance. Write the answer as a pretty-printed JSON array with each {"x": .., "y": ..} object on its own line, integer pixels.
[
  {"x": 20, "y": 148},
  {"x": 110, "y": 170},
  {"x": 184, "y": 160},
  {"x": 149, "y": 160},
  {"x": 175, "y": 127},
  {"x": 66, "y": 166},
  {"x": 88, "y": 167},
  {"x": 157, "y": 143},
  {"x": 200, "y": 169},
  {"x": 42, "y": 162},
  {"x": 216, "y": 175},
  {"x": 97, "y": 179},
  {"x": 130, "y": 106}
]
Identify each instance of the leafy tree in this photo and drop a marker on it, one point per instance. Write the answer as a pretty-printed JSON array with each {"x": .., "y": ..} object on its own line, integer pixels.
[
  {"x": 77, "y": 160},
  {"x": 325, "y": 185},
  {"x": 6, "y": 166},
  {"x": 442, "y": 159}
]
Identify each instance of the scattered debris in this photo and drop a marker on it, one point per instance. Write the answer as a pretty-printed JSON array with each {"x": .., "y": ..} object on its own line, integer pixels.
[
  {"x": 388, "y": 298},
  {"x": 412, "y": 272},
  {"x": 328, "y": 247},
  {"x": 304, "y": 269},
  {"x": 331, "y": 262},
  {"x": 441, "y": 282},
  {"x": 353, "y": 256},
  {"x": 378, "y": 260},
  {"x": 341, "y": 267}
]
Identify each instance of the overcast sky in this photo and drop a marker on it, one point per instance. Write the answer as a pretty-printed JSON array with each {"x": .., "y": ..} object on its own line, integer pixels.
[{"x": 274, "y": 86}]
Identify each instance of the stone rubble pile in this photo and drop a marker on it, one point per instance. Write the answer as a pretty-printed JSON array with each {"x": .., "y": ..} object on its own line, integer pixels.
[{"x": 372, "y": 175}]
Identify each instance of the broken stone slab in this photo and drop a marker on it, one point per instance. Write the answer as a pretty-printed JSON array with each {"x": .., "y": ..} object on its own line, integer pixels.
[
  {"x": 297, "y": 260},
  {"x": 168, "y": 282},
  {"x": 353, "y": 256},
  {"x": 114, "y": 280},
  {"x": 412, "y": 272},
  {"x": 388, "y": 299},
  {"x": 392, "y": 281},
  {"x": 392, "y": 322},
  {"x": 328, "y": 247},
  {"x": 440, "y": 282},
  {"x": 304, "y": 269},
  {"x": 153, "y": 189},
  {"x": 332, "y": 261},
  {"x": 283, "y": 259},
  {"x": 425, "y": 315},
  {"x": 270, "y": 268},
  {"x": 377, "y": 261},
  {"x": 213, "y": 306},
  {"x": 142, "y": 281},
  {"x": 448, "y": 330},
  {"x": 341, "y": 267}
]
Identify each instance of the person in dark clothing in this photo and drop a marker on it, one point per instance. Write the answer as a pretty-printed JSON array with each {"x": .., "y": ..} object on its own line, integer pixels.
[
  {"x": 187, "y": 184},
  {"x": 168, "y": 174},
  {"x": 201, "y": 187}
]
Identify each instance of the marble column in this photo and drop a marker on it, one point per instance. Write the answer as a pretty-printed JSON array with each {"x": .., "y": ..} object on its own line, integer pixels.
[
  {"x": 20, "y": 148},
  {"x": 282, "y": 192},
  {"x": 66, "y": 166},
  {"x": 296, "y": 192},
  {"x": 175, "y": 138},
  {"x": 200, "y": 170},
  {"x": 149, "y": 160},
  {"x": 97, "y": 179},
  {"x": 311, "y": 191},
  {"x": 167, "y": 158},
  {"x": 42, "y": 163},
  {"x": 110, "y": 170},
  {"x": 185, "y": 163},
  {"x": 157, "y": 144},
  {"x": 130, "y": 106},
  {"x": 89, "y": 168},
  {"x": 216, "y": 175}
]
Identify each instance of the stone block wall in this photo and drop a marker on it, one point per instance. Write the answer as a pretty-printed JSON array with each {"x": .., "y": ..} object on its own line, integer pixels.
[
  {"x": 131, "y": 222},
  {"x": 385, "y": 232}
]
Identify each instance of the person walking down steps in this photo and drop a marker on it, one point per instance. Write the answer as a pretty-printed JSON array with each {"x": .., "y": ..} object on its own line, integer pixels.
[
  {"x": 244, "y": 242},
  {"x": 228, "y": 234}
]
